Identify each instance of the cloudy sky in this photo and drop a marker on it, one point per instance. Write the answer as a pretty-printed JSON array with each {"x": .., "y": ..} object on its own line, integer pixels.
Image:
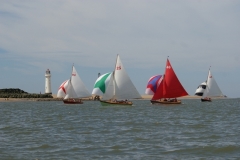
[{"x": 195, "y": 34}]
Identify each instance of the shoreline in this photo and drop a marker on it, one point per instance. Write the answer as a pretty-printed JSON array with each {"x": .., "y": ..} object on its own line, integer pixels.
[
  {"x": 28, "y": 99},
  {"x": 144, "y": 97},
  {"x": 148, "y": 97}
]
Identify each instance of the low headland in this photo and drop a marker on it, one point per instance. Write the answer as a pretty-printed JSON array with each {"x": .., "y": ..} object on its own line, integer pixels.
[{"x": 16, "y": 94}]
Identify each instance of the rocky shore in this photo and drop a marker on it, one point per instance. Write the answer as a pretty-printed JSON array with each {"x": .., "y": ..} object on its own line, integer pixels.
[{"x": 28, "y": 99}]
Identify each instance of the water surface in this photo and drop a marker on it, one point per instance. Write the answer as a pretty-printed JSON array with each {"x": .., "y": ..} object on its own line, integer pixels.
[{"x": 52, "y": 130}]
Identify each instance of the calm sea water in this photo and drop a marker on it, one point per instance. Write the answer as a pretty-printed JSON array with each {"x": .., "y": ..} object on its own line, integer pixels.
[{"x": 52, "y": 130}]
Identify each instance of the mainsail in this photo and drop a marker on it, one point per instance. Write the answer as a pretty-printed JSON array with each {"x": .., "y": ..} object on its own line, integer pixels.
[
  {"x": 78, "y": 85},
  {"x": 170, "y": 87},
  {"x": 124, "y": 88},
  {"x": 119, "y": 85},
  {"x": 212, "y": 88}
]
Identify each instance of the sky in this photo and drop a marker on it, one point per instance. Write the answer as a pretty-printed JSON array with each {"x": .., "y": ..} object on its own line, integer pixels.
[{"x": 195, "y": 34}]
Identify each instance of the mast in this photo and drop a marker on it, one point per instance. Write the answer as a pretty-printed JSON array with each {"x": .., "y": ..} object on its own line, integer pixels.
[
  {"x": 72, "y": 70},
  {"x": 69, "y": 85},
  {"x": 71, "y": 74},
  {"x": 114, "y": 82}
]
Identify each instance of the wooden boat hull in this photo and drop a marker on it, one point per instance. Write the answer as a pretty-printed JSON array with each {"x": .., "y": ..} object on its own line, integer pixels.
[
  {"x": 72, "y": 101},
  {"x": 104, "y": 103},
  {"x": 206, "y": 100},
  {"x": 165, "y": 102}
]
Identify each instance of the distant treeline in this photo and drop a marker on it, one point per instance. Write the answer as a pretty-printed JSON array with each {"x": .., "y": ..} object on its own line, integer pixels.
[{"x": 18, "y": 93}]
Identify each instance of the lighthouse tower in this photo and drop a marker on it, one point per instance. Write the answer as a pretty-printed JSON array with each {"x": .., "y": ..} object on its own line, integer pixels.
[{"x": 48, "y": 82}]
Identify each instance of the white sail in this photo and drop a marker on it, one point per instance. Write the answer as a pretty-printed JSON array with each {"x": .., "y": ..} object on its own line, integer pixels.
[
  {"x": 70, "y": 91},
  {"x": 124, "y": 88},
  {"x": 62, "y": 89},
  {"x": 212, "y": 89},
  {"x": 78, "y": 85}
]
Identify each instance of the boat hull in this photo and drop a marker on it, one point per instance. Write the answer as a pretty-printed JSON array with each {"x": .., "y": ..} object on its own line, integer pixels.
[
  {"x": 72, "y": 101},
  {"x": 104, "y": 103},
  {"x": 206, "y": 100},
  {"x": 165, "y": 102}
]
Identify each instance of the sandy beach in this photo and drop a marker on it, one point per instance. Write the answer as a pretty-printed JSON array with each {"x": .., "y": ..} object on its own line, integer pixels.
[
  {"x": 184, "y": 97},
  {"x": 11, "y": 99},
  {"x": 59, "y": 99}
]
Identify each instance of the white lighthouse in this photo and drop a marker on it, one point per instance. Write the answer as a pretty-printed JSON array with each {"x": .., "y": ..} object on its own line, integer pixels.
[{"x": 48, "y": 82}]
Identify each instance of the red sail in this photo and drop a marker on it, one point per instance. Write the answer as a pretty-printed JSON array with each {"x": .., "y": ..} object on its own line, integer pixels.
[{"x": 170, "y": 86}]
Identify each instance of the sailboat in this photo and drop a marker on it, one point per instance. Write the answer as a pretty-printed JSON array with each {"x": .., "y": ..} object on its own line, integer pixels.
[
  {"x": 116, "y": 87},
  {"x": 212, "y": 89},
  {"x": 74, "y": 89},
  {"x": 169, "y": 89}
]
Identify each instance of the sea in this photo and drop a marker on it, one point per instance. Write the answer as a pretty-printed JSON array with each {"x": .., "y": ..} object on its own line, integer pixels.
[{"x": 51, "y": 130}]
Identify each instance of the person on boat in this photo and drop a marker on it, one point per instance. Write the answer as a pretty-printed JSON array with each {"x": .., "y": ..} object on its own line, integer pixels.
[
  {"x": 175, "y": 100},
  {"x": 207, "y": 98},
  {"x": 165, "y": 99}
]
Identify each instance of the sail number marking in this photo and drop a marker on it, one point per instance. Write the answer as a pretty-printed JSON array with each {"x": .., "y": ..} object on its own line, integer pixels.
[
  {"x": 168, "y": 67},
  {"x": 118, "y": 68}
]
